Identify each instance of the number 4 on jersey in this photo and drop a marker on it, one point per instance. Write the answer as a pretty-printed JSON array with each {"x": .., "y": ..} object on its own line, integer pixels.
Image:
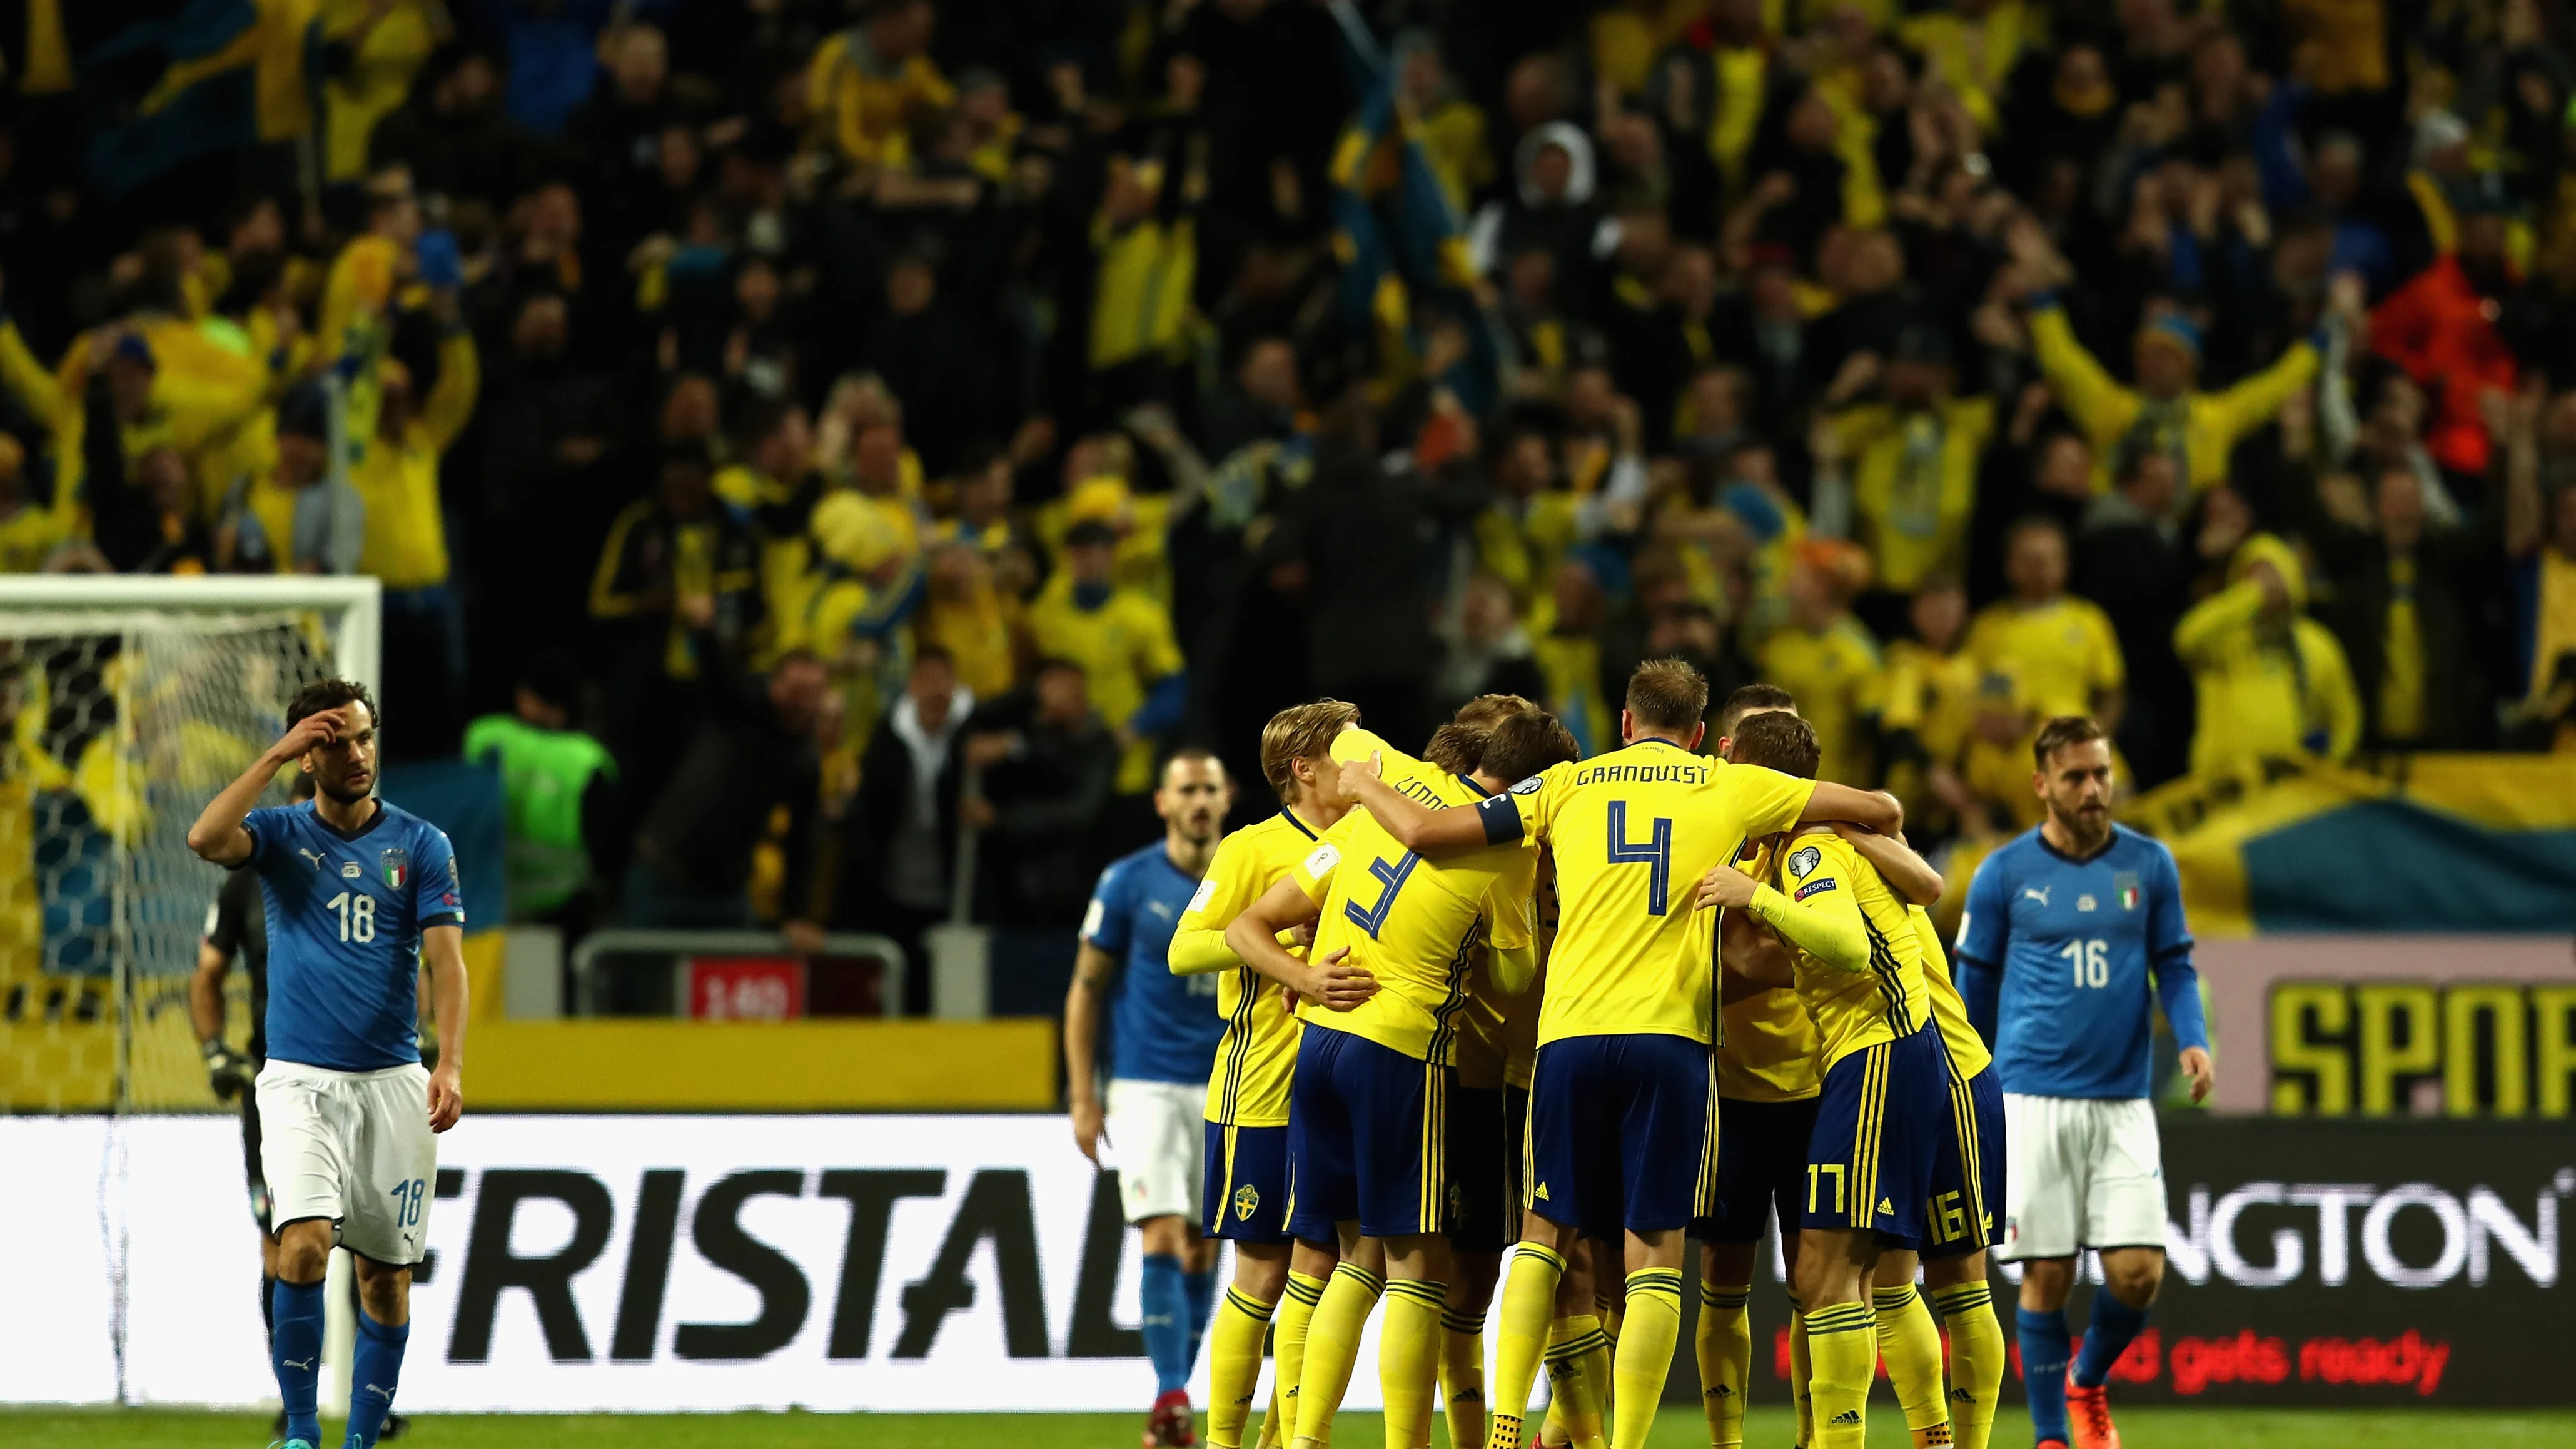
[{"x": 1655, "y": 852}]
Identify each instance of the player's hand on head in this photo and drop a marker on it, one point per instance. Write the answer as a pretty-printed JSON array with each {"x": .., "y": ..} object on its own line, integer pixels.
[
  {"x": 1724, "y": 885},
  {"x": 446, "y": 1099},
  {"x": 311, "y": 732},
  {"x": 2204, "y": 1073}
]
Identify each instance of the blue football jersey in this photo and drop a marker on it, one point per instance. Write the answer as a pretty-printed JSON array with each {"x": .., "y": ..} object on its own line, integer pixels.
[
  {"x": 1162, "y": 1027},
  {"x": 2061, "y": 961},
  {"x": 344, "y": 914}
]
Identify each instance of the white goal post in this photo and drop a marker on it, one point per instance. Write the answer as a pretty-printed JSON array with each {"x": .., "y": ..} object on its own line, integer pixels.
[{"x": 128, "y": 701}]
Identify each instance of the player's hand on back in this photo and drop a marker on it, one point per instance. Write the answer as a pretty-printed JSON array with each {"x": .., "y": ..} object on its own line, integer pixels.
[
  {"x": 446, "y": 1097},
  {"x": 1336, "y": 985},
  {"x": 1088, "y": 1128},
  {"x": 2204, "y": 1074},
  {"x": 1724, "y": 885}
]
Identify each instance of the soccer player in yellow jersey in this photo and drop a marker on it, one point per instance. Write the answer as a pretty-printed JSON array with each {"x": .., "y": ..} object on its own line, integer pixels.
[
  {"x": 1621, "y": 1094},
  {"x": 1964, "y": 1223},
  {"x": 1766, "y": 1090},
  {"x": 1246, "y": 1193},
  {"x": 1876, "y": 1163},
  {"x": 1367, "y": 1130}
]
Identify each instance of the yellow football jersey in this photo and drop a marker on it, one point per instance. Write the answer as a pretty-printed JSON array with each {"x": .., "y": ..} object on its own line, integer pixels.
[
  {"x": 1968, "y": 1053},
  {"x": 1415, "y": 924},
  {"x": 1884, "y": 1000},
  {"x": 1632, "y": 832},
  {"x": 1256, "y": 1059},
  {"x": 1767, "y": 1053}
]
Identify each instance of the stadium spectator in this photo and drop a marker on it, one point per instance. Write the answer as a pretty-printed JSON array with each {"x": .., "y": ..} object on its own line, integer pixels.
[
  {"x": 2134, "y": 564},
  {"x": 1049, "y": 767},
  {"x": 753, "y": 754},
  {"x": 561, "y": 797},
  {"x": 2271, "y": 682},
  {"x": 1121, "y": 641},
  {"x": 2059, "y": 651},
  {"x": 1644, "y": 330},
  {"x": 899, "y": 845}
]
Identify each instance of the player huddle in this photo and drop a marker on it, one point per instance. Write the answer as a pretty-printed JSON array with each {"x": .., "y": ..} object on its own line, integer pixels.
[{"x": 1495, "y": 999}]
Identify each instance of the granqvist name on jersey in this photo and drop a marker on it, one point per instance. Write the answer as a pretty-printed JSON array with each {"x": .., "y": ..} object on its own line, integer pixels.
[{"x": 1642, "y": 775}]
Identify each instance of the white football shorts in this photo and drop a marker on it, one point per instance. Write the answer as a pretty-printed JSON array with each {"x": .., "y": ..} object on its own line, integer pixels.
[
  {"x": 1157, "y": 1136},
  {"x": 353, "y": 1147},
  {"x": 2080, "y": 1173}
]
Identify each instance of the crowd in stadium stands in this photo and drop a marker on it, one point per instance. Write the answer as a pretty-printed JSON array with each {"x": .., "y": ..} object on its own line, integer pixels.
[{"x": 828, "y": 403}]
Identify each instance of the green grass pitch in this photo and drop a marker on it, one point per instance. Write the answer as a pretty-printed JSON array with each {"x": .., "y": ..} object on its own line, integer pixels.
[{"x": 2142, "y": 1428}]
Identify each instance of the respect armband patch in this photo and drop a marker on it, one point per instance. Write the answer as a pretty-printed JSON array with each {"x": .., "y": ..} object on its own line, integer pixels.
[{"x": 1814, "y": 888}]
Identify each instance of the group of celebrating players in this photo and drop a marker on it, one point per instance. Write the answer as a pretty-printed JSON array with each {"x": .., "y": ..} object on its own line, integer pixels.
[
  {"x": 1495, "y": 999},
  {"x": 1492, "y": 999}
]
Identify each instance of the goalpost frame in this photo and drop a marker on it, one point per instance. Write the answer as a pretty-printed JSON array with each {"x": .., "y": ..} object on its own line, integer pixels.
[{"x": 357, "y": 642}]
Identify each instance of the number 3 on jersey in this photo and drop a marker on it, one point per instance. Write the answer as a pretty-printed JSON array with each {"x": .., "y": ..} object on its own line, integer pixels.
[
  {"x": 1392, "y": 874},
  {"x": 1655, "y": 852},
  {"x": 2091, "y": 961},
  {"x": 357, "y": 915}
]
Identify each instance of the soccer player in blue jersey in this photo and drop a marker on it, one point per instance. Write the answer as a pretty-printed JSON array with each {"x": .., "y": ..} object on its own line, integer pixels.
[
  {"x": 2073, "y": 933},
  {"x": 1163, "y": 1032},
  {"x": 359, "y": 895}
]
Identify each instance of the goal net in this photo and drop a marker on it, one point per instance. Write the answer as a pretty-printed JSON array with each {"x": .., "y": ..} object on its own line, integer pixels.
[{"x": 128, "y": 703}]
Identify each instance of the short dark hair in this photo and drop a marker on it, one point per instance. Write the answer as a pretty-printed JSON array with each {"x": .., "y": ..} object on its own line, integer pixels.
[
  {"x": 1777, "y": 740},
  {"x": 1457, "y": 748},
  {"x": 2058, "y": 733},
  {"x": 328, "y": 694},
  {"x": 1749, "y": 698},
  {"x": 933, "y": 654},
  {"x": 1188, "y": 753},
  {"x": 554, "y": 676},
  {"x": 1523, "y": 744},
  {"x": 1668, "y": 694}
]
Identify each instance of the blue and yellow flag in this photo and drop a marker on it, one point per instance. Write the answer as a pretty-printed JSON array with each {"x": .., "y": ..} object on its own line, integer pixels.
[
  {"x": 2436, "y": 844},
  {"x": 213, "y": 76}
]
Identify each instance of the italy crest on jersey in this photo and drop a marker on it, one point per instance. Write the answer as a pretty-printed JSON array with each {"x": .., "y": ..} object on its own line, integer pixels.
[
  {"x": 397, "y": 868},
  {"x": 2126, "y": 882}
]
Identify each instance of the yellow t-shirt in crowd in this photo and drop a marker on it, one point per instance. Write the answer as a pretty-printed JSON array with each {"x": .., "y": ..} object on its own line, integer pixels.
[
  {"x": 1834, "y": 675},
  {"x": 2059, "y": 654},
  {"x": 1125, "y": 648},
  {"x": 1914, "y": 484}
]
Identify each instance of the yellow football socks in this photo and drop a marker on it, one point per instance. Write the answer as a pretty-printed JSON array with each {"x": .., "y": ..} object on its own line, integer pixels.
[
  {"x": 1333, "y": 1348},
  {"x": 1650, "y": 1328},
  {"x": 1911, "y": 1343},
  {"x": 1408, "y": 1357},
  {"x": 1802, "y": 1378},
  {"x": 1288, "y": 1356},
  {"x": 1723, "y": 1342},
  {"x": 1234, "y": 1365},
  {"x": 1842, "y": 1344},
  {"x": 1462, "y": 1376},
  {"x": 1977, "y": 1355},
  {"x": 1574, "y": 1397},
  {"x": 1529, "y": 1303}
]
